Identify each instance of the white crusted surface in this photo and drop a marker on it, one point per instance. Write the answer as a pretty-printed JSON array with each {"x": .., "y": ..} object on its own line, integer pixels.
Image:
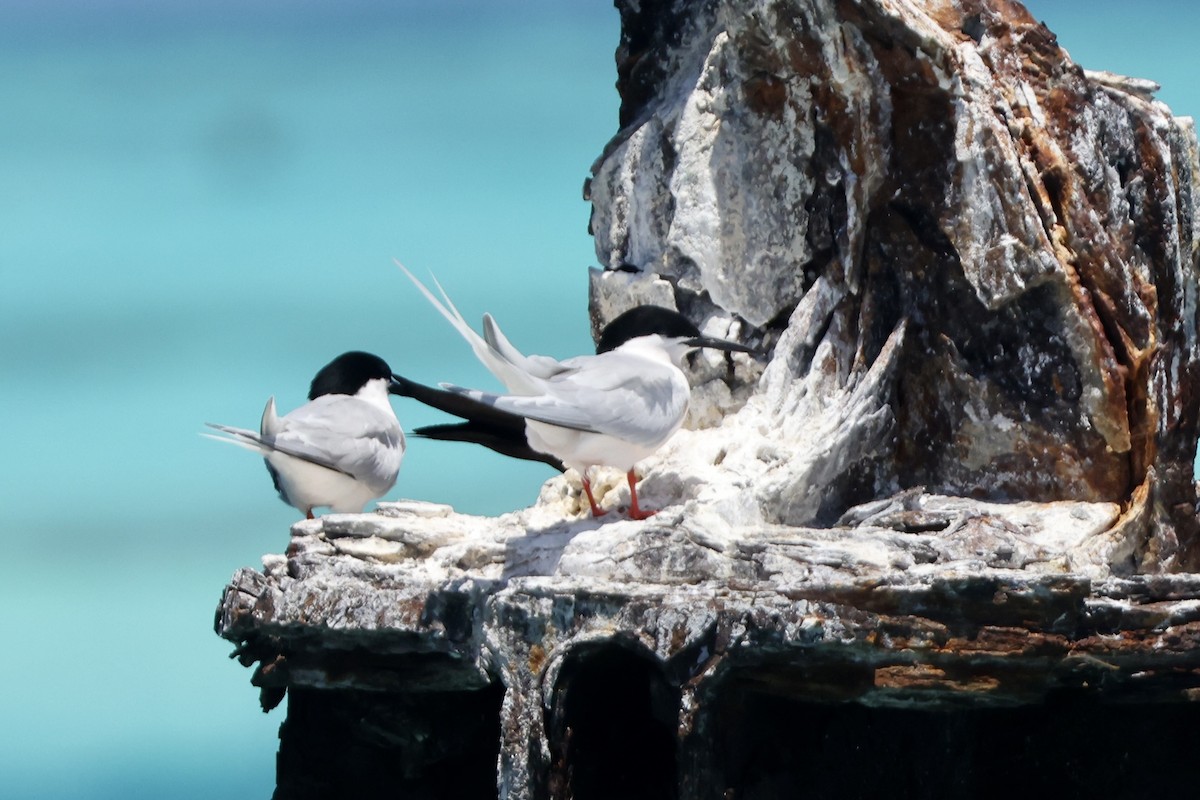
[{"x": 757, "y": 191}]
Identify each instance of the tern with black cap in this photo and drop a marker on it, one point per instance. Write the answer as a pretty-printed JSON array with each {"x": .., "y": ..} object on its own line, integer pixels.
[
  {"x": 610, "y": 409},
  {"x": 341, "y": 449}
]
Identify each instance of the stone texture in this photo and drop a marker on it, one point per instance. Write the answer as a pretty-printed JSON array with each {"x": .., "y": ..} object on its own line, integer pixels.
[
  {"x": 975, "y": 261},
  {"x": 960, "y": 482},
  {"x": 928, "y": 604}
]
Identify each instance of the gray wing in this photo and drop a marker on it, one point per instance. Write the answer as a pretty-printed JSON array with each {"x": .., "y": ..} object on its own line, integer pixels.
[
  {"x": 536, "y": 407},
  {"x": 613, "y": 393},
  {"x": 341, "y": 433},
  {"x": 256, "y": 443}
]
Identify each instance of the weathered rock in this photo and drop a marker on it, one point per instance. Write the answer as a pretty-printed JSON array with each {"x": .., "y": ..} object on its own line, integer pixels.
[
  {"x": 961, "y": 481},
  {"x": 977, "y": 262},
  {"x": 655, "y": 629}
]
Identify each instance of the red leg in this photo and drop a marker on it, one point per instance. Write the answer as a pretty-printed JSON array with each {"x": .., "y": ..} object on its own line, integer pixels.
[
  {"x": 634, "y": 511},
  {"x": 587, "y": 487},
  {"x": 308, "y": 514}
]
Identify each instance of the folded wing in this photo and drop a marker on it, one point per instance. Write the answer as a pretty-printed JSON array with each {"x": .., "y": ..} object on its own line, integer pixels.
[
  {"x": 361, "y": 444},
  {"x": 611, "y": 394}
]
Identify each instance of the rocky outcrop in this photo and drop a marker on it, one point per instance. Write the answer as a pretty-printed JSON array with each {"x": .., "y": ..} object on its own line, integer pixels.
[
  {"x": 421, "y": 648},
  {"x": 960, "y": 481},
  {"x": 976, "y": 262}
]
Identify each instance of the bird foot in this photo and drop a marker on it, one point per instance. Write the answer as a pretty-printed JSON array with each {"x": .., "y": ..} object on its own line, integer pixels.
[
  {"x": 634, "y": 511},
  {"x": 596, "y": 510}
]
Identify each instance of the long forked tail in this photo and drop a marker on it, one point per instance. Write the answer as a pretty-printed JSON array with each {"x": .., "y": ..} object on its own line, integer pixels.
[
  {"x": 239, "y": 436},
  {"x": 254, "y": 442},
  {"x": 508, "y": 371}
]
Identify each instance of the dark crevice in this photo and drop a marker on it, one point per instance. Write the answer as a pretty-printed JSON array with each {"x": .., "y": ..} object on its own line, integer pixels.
[
  {"x": 760, "y": 744},
  {"x": 362, "y": 745},
  {"x": 826, "y": 206},
  {"x": 612, "y": 727},
  {"x": 648, "y": 32},
  {"x": 974, "y": 27}
]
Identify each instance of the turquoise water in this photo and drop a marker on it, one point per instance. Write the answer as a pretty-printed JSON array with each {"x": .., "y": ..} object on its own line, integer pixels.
[{"x": 200, "y": 206}]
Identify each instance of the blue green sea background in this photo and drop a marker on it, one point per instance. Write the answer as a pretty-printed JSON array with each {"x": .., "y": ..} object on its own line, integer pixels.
[{"x": 199, "y": 207}]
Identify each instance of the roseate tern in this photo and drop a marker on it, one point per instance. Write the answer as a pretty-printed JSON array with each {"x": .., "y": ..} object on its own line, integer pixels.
[
  {"x": 341, "y": 449},
  {"x": 611, "y": 409}
]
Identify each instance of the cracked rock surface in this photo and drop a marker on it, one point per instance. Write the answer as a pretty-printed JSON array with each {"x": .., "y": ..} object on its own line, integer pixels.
[
  {"x": 962, "y": 477},
  {"x": 976, "y": 262}
]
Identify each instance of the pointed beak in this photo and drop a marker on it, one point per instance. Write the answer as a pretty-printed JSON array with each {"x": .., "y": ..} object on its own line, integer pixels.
[
  {"x": 398, "y": 385},
  {"x": 720, "y": 344}
]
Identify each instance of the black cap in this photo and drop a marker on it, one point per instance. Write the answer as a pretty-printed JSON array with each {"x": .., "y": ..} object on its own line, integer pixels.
[
  {"x": 348, "y": 373},
  {"x": 650, "y": 320},
  {"x": 645, "y": 321}
]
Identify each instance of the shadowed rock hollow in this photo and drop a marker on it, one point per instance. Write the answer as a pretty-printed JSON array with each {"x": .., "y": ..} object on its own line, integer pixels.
[{"x": 960, "y": 481}]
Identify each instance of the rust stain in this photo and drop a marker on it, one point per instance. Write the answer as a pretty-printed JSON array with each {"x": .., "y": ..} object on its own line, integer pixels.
[
  {"x": 679, "y": 636},
  {"x": 930, "y": 678},
  {"x": 537, "y": 658},
  {"x": 1177, "y": 640},
  {"x": 804, "y": 55},
  {"x": 1008, "y": 641},
  {"x": 765, "y": 94}
]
